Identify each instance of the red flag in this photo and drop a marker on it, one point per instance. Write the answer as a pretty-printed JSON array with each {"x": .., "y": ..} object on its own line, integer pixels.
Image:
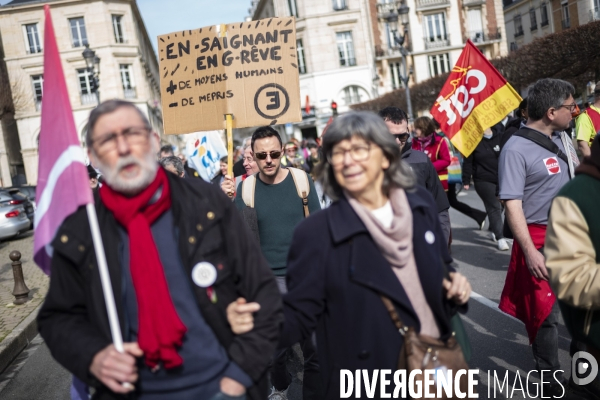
[
  {"x": 475, "y": 97},
  {"x": 307, "y": 106},
  {"x": 63, "y": 183}
]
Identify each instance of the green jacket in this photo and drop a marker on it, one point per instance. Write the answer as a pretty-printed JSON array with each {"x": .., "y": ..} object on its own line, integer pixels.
[{"x": 572, "y": 253}]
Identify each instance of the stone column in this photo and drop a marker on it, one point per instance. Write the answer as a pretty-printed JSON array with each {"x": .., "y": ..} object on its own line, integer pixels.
[{"x": 30, "y": 159}]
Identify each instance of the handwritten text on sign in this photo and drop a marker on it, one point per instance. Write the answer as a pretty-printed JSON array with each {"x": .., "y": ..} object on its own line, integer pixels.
[{"x": 246, "y": 69}]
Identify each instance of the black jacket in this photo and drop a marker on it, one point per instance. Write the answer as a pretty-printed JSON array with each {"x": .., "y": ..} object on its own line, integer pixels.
[
  {"x": 335, "y": 275},
  {"x": 512, "y": 126},
  {"x": 73, "y": 320},
  {"x": 426, "y": 175},
  {"x": 482, "y": 164}
]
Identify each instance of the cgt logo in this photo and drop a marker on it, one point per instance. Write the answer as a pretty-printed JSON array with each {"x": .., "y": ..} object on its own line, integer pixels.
[
  {"x": 552, "y": 165},
  {"x": 584, "y": 368}
]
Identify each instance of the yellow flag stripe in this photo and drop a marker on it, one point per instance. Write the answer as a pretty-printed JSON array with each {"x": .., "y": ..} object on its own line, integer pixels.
[{"x": 488, "y": 113}]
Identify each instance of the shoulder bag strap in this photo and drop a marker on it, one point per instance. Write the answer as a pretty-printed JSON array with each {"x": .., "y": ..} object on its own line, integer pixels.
[
  {"x": 548, "y": 144},
  {"x": 248, "y": 187},
  {"x": 393, "y": 314},
  {"x": 302, "y": 187}
]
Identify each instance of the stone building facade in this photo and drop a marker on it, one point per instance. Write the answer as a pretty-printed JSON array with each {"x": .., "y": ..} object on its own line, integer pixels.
[{"x": 112, "y": 28}]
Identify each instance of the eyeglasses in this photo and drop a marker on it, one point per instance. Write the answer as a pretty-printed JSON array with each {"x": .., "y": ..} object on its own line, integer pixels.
[
  {"x": 403, "y": 137},
  {"x": 263, "y": 155},
  {"x": 291, "y": 148},
  {"x": 248, "y": 159},
  {"x": 358, "y": 152},
  {"x": 133, "y": 136},
  {"x": 571, "y": 107}
]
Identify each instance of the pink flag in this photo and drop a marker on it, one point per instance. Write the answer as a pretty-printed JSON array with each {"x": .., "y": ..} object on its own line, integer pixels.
[{"x": 63, "y": 183}]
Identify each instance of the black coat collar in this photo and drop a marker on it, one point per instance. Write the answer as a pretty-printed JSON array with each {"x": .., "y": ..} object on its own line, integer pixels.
[{"x": 345, "y": 223}]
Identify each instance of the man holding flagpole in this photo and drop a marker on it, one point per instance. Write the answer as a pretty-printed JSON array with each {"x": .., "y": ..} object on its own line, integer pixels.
[{"x": 155, "y": 261}]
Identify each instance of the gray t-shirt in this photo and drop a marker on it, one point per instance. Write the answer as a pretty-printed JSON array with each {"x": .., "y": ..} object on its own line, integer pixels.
[{"x": 530, "y": 173}]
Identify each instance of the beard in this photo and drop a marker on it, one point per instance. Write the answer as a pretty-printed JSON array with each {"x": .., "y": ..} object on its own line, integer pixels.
[{"x": 130, "y": 186}]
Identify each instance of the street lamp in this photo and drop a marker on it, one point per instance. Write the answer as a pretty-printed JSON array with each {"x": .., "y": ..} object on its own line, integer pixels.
[
  {"x": 392, "y": 21},
  {"x": 92, "y": 62}
]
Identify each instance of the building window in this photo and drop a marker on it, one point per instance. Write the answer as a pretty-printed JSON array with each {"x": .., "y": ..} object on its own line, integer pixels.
[
  {"x": 396, "y": 73},
  {"x": 513, "y": 46},
  {"x": 339, "y": 5},
  {"x": 566, "y": 18},
  {"x": 518, "y": 26},
  {"x": 439, "y": 64},
  {"x": 117, "y": 22},
  {"x": 127, "y": 81},
  {"x": 32, "y": 39},
  {"x": 533, "y": 19},
  {"x": 435, "y": 28},
  {"x": 353, "y": 95},
  {"x": 37, "y": 81},
  {"x": 85, "y": 87},
  {"x": 78, "y": 33},
  {"x": 391, "y": 36},
  {"x": 293, "y": 8},
  {"x": 346, "y": 49},
  {"x": 544, "y": 13},
  {"x": 475, "y": 25},
  {"x": 300, "y": 55}
]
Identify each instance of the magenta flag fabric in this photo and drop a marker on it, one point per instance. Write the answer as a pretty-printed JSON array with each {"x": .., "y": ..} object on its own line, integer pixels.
[{"x": 63, "y": 184}]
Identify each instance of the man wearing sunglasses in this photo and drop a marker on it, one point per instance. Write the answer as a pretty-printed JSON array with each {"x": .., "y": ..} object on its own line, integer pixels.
[
  {"x": 397, "y": 122},
  {"x": 279, "y": 210}
]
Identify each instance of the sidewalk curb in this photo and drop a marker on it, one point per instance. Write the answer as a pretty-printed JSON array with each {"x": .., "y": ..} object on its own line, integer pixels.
[{"x": 18, "y": 339}]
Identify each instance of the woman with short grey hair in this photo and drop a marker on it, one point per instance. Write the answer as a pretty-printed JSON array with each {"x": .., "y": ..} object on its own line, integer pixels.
[{"x": 380, "y": 237}]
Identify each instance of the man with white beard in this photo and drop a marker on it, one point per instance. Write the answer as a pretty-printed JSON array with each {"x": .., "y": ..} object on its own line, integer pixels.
[{"x": 177, "y": 258}]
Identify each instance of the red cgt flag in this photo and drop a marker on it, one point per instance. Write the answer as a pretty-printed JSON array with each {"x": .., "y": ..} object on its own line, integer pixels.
[{"x": 475, "y": 97}]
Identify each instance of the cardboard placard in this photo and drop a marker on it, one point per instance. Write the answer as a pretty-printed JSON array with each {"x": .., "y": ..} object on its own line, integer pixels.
[{"x": 247, "y": 69}]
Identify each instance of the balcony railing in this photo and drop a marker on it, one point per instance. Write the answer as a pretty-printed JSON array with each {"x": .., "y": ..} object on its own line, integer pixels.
[
  {"x": 533, "y": 27},
  {"x": 437, "y": 43},
  {"x": 432, "y": 3},
  {"x": 544, "y": 22},
  {"x": 130, "y": 93},
  {"x": 384, "y": 9},
  {"x": 566, "y": 23},
  {"x": 481, "y": 37},
  {"x": 472, "y": 2},
  {"x": 519, "y": 31},
  {"x": 89, "y": 98},
  {"x": 594, "y": 14}
]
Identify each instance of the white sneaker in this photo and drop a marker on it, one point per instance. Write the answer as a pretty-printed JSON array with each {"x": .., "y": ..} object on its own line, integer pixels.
[
  {"x": 482, "y": 225},
  {"x": 493, "y": 237},
  {"x": 278, "y": 395},
  {"x": 502, "y": 244}
]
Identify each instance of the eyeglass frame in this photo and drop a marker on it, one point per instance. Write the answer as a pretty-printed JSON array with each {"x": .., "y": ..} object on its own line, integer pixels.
[
  {"x": 571, "y": 107},
  {"x": 368, "y": 146},
  {"x": 115, "y": 135}
]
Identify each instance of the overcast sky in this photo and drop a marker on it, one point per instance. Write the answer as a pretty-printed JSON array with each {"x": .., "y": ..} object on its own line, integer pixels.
[{"x": 166, "y": 16}]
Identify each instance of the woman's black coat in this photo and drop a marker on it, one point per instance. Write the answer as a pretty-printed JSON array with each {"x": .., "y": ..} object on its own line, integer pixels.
[{"x": 335, "y": 275}]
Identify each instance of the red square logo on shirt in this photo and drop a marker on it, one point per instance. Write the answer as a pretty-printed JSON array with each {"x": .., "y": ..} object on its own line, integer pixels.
[{"x": 552, "y": 165}]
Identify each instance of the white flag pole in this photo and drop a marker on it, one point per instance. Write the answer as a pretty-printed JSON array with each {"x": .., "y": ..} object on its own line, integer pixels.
[{"x": 109, "y": 298}]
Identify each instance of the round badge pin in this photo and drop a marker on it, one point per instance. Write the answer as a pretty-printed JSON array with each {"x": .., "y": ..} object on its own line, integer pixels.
[
  {"x": 204, "y": 274},
  {"x": 429, "y": 237}
]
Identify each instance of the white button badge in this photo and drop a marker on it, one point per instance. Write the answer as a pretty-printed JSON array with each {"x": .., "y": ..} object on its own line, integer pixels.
[
  {"x": 204, "y": 274},
  {"x": 429, "y": 237}
]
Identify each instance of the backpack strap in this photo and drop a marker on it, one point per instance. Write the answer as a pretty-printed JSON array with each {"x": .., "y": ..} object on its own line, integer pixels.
[
  {"x": 248, "y": 186},
  {"x": 546, "y": 143},
  {"x": 302, "y": 187}
]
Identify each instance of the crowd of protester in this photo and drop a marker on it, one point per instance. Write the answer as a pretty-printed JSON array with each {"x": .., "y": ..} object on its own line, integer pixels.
[{"x": 329, "y": 244}]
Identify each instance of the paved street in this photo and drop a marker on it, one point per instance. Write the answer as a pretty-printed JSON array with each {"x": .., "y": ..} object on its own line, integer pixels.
[{"x": 499, "y": 342}]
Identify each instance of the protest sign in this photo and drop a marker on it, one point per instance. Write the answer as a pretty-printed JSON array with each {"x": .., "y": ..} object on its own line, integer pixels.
[{"x": 248, "y": 69}]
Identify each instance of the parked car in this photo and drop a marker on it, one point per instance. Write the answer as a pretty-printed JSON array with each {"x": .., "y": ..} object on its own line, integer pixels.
[
  {"x": 13, "y": 219},
  {"x": 20, "y": 198},
  {"x": 28, "y": 191}
]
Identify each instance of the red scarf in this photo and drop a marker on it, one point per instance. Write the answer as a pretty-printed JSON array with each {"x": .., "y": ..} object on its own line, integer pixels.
[{"x": 160, "y": 331}]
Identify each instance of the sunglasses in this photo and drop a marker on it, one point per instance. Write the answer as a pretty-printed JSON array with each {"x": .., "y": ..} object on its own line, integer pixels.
[
  {"x": 402, "y": 136},
  {"x": 263, "y": 155}
]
